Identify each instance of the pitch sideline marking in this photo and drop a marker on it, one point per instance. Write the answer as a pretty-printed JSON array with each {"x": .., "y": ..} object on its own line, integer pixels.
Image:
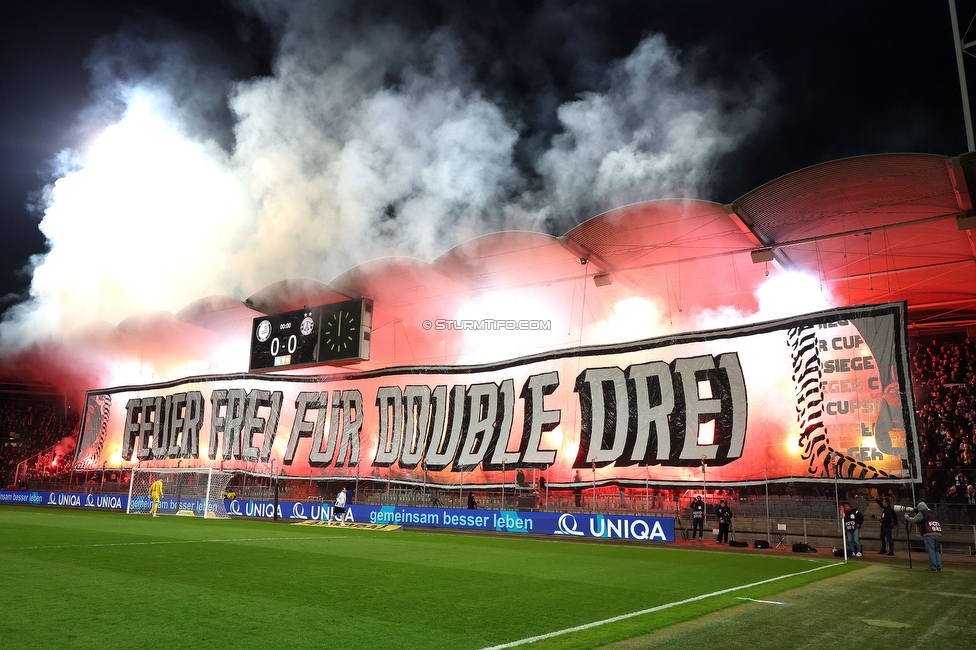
[
  {"x": 181, "y": 541},
  {"x": 614, "y": 619},
  {"x": 768, "y": 602}
]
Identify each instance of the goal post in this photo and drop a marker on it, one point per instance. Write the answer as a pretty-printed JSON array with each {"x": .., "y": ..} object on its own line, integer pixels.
[{"x": 186, "y": 491}]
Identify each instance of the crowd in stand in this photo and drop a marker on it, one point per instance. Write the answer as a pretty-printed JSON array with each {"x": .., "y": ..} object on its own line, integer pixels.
[
  {"x": 29, "y": 427},
  {"x": 943, "y": 375}
]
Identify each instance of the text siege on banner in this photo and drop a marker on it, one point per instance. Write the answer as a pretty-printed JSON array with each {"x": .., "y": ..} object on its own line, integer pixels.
[{"x": 792, "y": 399}]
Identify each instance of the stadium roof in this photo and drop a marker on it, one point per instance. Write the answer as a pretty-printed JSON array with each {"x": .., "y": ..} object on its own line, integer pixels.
[
  {"x": 872, "y": 229},
  {"x": 876, "y": 229}
]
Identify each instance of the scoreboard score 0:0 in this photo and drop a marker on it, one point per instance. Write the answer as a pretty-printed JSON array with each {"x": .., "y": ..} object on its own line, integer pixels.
[
  {"x": 294, "y": 339},
  {"x": 284, "y": 340}
]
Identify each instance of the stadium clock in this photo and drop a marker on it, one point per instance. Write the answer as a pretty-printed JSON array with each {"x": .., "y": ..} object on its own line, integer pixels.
[{"x": 345, "y": 331}]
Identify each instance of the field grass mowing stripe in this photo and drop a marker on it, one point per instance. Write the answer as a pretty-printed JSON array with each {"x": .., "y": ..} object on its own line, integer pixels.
[
  {"x": 181, "y": 541},
  {"x": 622, "y": 617}
]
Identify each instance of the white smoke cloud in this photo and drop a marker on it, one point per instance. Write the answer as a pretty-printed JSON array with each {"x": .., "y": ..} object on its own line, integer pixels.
[
  {"x": 65, "y": 446},
  {"x": 650, "y": 134},
  {"x": 410, "y": 170},
  {"x": 365, "y": 141},
  {"x": 781, "y": 295},
  {"x": 131, "y": 225}
]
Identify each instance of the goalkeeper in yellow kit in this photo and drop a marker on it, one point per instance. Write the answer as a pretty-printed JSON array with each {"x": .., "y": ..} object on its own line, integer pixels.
[{"x": 156, "y": 493}]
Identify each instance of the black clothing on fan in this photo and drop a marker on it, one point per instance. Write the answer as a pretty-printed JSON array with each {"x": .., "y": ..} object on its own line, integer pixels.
[
  {"x": 724, "y": 514},
  {"x": 697, "y": 518}
]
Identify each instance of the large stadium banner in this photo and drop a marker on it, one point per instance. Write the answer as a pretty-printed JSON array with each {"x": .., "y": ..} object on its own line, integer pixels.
[{"x": 811, "y": 397}]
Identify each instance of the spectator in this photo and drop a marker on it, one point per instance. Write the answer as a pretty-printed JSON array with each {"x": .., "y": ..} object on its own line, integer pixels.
[
  {"x": 887, "y": 523},
  {"x": 724, "y": 514},
  {"x": 853, "y": 520}
]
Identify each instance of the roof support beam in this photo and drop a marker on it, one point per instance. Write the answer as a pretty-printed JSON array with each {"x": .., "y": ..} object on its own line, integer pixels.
[
  {"x": 958, "y": 44},
  {"x": 860, "y": 231},
  {"x": 907, "y": 269}
]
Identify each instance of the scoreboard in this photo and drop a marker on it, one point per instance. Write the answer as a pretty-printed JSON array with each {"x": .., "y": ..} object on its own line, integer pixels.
[{"x": 327, "y": 334}]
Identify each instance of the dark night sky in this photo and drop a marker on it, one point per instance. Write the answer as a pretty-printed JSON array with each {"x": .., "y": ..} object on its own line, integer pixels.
[{"x": 845, "y": 78}]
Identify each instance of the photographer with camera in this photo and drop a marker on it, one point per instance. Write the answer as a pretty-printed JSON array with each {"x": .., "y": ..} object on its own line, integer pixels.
[
  {"x": 697, "y": 518},
  {"x": 887, "y": 523},
  {"x": 931, "y": 531}
]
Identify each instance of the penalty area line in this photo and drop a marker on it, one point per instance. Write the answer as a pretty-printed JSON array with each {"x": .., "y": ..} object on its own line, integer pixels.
[{"x": 658, "y": 608}]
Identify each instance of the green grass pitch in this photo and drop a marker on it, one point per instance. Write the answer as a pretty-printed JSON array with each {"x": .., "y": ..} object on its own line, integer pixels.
[{"x": 82, "y": 579}]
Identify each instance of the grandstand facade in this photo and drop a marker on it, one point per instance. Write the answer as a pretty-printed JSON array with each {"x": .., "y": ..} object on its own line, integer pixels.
[{"x": 869, "y": 230}]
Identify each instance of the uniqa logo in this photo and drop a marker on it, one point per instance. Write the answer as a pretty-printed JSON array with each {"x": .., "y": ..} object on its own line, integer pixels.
[
  {"x": 259, "y": 509},
  {"x": 314, "y": 511},
  {"x": 568, "y": 526},
  {"x": 624, "y": 529},
  {"x": 298, "y": 511}
]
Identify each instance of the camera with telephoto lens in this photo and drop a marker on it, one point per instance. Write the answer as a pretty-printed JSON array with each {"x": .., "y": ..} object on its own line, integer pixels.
[{"x": 905, "y": 509}]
